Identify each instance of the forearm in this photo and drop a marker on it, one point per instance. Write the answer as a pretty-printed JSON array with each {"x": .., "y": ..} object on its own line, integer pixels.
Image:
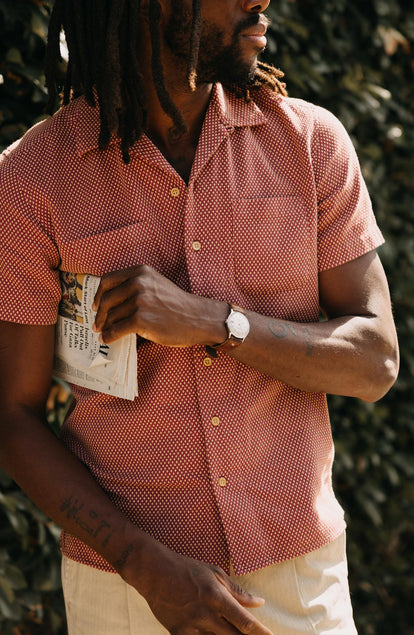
[
  {"x": 60, "y": 485},
  {"x": 340, "y": 356},
  {"x": 354, "y": 353},
  {"x": 201, "y": 595},
  {"x": 179, "y": 590}
]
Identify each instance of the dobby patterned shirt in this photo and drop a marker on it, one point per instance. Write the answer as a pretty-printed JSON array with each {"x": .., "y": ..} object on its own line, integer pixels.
[{"x": 214, "y": 459}]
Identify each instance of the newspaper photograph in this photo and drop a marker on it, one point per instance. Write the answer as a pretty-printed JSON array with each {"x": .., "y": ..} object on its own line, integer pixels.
[{"x": 80, "y": 358}]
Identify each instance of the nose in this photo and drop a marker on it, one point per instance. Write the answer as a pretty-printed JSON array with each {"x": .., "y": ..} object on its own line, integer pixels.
[{"x": 255, "y": 6}]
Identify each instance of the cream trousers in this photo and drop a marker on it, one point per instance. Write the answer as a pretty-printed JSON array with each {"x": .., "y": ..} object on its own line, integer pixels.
[{"x": 308, "y": 594}]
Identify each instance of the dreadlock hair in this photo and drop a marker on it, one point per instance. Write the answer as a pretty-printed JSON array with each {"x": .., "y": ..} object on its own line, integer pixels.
[{"x": 103, "y": 64}]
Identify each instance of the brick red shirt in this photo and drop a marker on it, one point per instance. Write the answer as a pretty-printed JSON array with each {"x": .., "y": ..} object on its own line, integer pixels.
[{"x": 215, "y": 459}]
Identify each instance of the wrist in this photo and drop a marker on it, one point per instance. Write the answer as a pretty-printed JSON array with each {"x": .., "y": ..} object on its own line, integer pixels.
[
  {"x": 237, "y": 327},
  {"x": 213, "y": 321},
  {"x": 143, "y": 564},
  {"x": 130, "y": 555}
]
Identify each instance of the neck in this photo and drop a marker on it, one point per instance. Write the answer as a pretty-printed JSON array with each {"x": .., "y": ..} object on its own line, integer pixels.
[
  {"x": 192, "y": 106},
  {"x": 179, "y": 149}
]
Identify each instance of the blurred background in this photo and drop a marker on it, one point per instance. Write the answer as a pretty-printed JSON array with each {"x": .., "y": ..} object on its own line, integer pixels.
[{"x": 356, "y": 58}]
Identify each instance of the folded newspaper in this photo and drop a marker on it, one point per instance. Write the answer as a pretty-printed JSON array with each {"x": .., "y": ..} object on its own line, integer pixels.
[{"x": 80, "y": 358}]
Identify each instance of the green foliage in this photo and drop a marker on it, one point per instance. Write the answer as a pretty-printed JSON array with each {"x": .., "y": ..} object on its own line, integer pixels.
[
  {"x": 30, "y": 588},
  {"x": 30, "y": 594},
  {"x": 356, "y": 59},
  {"x": 22, "y": 47}
]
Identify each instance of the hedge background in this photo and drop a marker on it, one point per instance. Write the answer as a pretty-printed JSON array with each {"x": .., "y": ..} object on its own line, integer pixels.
[{"x": 356, "y": 59}]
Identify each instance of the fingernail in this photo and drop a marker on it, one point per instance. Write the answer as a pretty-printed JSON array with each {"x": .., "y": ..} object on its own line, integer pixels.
[
  {"x": 261, "y": 600},
  {"x": 93, "y": 306},
  {"x": 100, "y": 338},
  {"x": 256, "y": 598}
]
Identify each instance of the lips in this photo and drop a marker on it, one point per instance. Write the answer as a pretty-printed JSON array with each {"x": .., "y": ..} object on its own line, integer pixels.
[
  {"x": 255, "y": 34},
  {"x": 258, "y": 30}
]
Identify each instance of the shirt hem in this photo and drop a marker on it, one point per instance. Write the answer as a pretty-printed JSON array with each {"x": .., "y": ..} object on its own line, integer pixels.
[
  {"x": 239, "y": 570},
  {"x": 268, "y": 562}
]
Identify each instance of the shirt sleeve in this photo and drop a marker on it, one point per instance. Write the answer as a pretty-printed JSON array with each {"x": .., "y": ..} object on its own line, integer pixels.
[
  {"x": 29, "y": 280},
  {"x": 346, "y": 224}
]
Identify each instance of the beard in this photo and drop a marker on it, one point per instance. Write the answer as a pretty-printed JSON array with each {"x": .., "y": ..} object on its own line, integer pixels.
[{"x": 217, "y": 62}]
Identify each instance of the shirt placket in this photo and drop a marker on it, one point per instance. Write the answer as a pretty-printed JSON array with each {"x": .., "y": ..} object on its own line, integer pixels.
[{"x": 209, "y": 372}]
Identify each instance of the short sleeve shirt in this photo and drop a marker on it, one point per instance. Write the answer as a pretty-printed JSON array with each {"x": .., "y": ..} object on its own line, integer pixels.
[{"x": 213, "y": 458}]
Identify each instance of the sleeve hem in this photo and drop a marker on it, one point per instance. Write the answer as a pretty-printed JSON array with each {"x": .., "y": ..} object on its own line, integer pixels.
[
  {"x": 329, "y": 261},
  {"x": 28, "y": 319}
]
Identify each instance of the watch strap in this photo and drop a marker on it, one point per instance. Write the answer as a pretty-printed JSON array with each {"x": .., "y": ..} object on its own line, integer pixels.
[{"x": 230, "y": 342}]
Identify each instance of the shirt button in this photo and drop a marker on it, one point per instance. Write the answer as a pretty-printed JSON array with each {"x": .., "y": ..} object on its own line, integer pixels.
[
  {"x": 175, "y": 192},
  {"x": 207, "y": 361},
  {"x": 196, "y": 245},
  {"x": 215, "y": 421},
  {"x": 222, "y": 481}
]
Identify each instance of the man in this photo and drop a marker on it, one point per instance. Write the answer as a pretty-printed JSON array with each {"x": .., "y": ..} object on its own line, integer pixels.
[{"x": 222, "y": 216}]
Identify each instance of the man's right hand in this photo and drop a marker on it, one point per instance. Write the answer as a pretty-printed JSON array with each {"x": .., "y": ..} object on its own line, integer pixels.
[
  {"x": 189, "y": 597},
  {"x": 186, "y": 596}
]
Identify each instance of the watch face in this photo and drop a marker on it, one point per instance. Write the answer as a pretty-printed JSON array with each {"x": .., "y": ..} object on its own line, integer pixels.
[{"x": 238, "y": 325}]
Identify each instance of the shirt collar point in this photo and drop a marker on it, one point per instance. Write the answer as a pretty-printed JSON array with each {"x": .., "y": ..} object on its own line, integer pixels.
[{"x": 234, "y": 111}]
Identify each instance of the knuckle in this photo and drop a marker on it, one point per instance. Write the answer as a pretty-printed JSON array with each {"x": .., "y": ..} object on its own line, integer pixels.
[
  {"x": 136, "y": 285},
  {"x": 145, "y": 269},
  {"x": 104, "y": 279},
  {"x": 135, "y": 301},
  {"x": 202, "y": 617},
  {"x": 105, "y": 283},
  {"x": 139, "y": 274},
  {"x": 216, "y": 599},
  {"x": 103, "y": 305},
  {"x": 238, "y": 589},
  {"x": 247, "y": 624},
  {"x": 131, "y": 284},
  {"x": 106, "y": 335}
]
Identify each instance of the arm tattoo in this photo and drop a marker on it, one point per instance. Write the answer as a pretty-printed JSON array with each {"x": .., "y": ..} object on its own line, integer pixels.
[
  {"x": 88, "y": 521},
  {"x": 309, "y": 343},
  {"x": 124, "y": 557},
  {"x": 283, "y": 329}
]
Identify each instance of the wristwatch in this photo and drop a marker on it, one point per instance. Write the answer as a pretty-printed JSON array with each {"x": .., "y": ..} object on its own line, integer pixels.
[{"x": 237, "y": 326}]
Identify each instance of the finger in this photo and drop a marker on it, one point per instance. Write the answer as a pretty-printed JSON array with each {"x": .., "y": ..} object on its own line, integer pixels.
[
  {"x": 124, "y": 311},
  {"x": 211, "y": 624},
  {"x": 114, "y": 279},
  {"x": 220, "y": 626},
  {"x": 243, "y": 597},
  {"x": 117, "y": 330},
  {"x": 112, "y": 299},
  {"x": 244, "y": 621},
  {"x": 236, "y": 612}
]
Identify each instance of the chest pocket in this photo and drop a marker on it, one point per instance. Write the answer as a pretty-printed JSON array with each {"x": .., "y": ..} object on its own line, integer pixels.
[
  {"x": 272, "y": 247},
  {"x": 111, "y": 250}
]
